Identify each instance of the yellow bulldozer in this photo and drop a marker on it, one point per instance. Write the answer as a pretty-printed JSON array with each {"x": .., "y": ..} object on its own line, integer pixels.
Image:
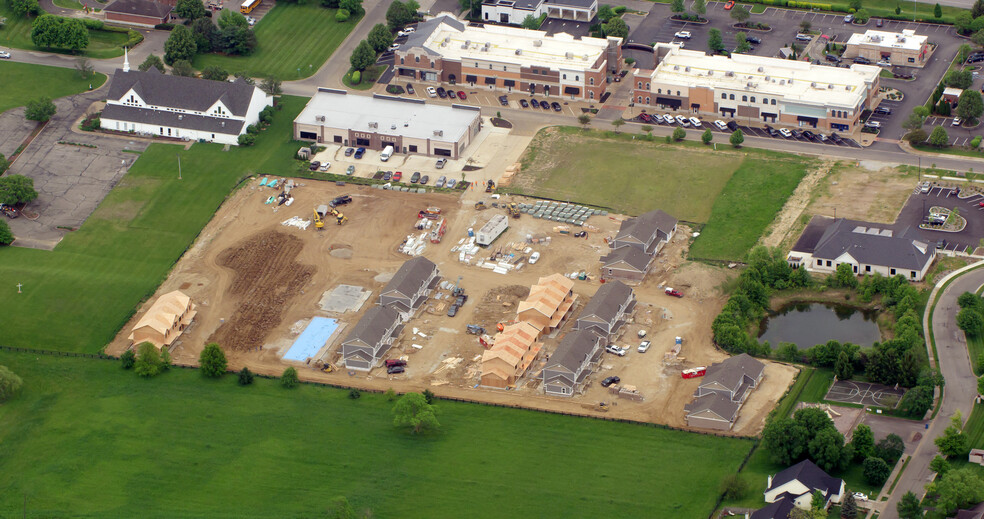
[{"x": 513, "y": 209}]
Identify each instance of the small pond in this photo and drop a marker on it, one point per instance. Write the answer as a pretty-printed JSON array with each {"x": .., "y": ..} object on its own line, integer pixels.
[{"x": 809, "y": 324}]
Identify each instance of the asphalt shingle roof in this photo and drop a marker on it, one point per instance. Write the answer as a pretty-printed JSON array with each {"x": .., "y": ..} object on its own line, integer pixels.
[
  {"x": 777, "y": 510},
  {"x": 371, "y": 329},
  {"x": 424, "y": 29},
  {"x": 645, "y": 225},
  {"x": 139, "y": 8},
  {"x": 186, "y": 93},
  {"x": 634, "y": 257},
  {"x": 173, "y": 119},
  {"x": 867, "y": 243},
  {"x": 573, "y": 350},
  {"x": 413, "y": 274},
  {"x": 729, "y": 372},
  {"x": 604, "y": 305},
  {"x": 810, "y": 475}
]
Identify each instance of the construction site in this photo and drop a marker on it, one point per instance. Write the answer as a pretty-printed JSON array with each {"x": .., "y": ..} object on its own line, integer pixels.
[{"x": 283, "y": 277}]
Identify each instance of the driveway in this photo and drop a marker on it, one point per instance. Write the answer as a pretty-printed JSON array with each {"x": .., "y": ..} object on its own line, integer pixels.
[
  {"x": 71, "y": 180},
  {"x": 918, "y": 205},
  {"x": 910, "y": 431}
]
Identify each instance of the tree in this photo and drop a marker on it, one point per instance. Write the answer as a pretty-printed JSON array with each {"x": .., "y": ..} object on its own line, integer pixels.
[
  {"x": 957, "y": 489},
  {"x": 938, "y": 11},
  {"x": 342, "y": 15},
  {"x": 533, "y": 23},
  {"x": 354, "y": 7},
  {"x": 380, "y": 37},
  {"x": 237, "y": 40},
  {"x": 699, "y": 7},
  {"x": 272, "y": 86},
  {"x": 229, "y": 19},
  {"x": 148, "y": 360},
  {"x": 862, "y": 16},
  {"x": 939, "y": 137},
  {"x": 428, "y": 396},
  {"x": 954, "y": 441},
  {"x": 17, "y": 189},
  {"x": 969, "y": 105},
  {"x": 787, "y": 351},
  {"x": 616, "y": 27},
  {"x": 245, "y": 376},
  {"x": 827, "y": 450},
  {"x": 584, "y": 120},
  {"x": 40, "y": 109},
  {"x": 970, "y": 300},
  {"x": 978, "y": 38},
  {"x": 734, "y": 487},
  {"x": 181, "y": 44},
  {"x": 818, "y": 501},
  {"x": 413, "y": 411},
  {"x": 288, "y": 379},
  {"x": 849, "y": 509},
  {"x": 913, "y": 122},
  {"x": 844, "y": 368},
  {"x": 805, "y": 25},
  {"x": 890, "y": 449},
  {"x": 679, "y": 134},
  {"x": 45, "y": 31},
  {"x": 10, "y": 384},
  {"x": 939, "y": 465},
  {"x": 182, "y": 67},
  {"x": 215, "y": 73},
  {"x": 737, "y": 138},
  {"x": 714, "y": 40},
  {"x": 213, "y": 361},
  {"x": 740, "y": 14},
  {"x": 190, "y": 9},
  {"x": 916, "y": 136},
  {"x": 909, "y": 507},
  {"x": 814, "y": 420},
  {"x": 980, "y": 386},
  {"x": 812, "y": 513},
  {"x": 784, "y": 440},
  {"x": 25, "y": 8},
  {"x": 970, "y": 321},
  {"x": 206, "y": 35},
  {"x": 964, "y": 22},
  {"x": 707, "y": 136},
  {"x": 363, "y": 56},
  {"x": 677, "y": 6},
  {"x": 6, "y": 235},
  {"x": 618, "y": 122},
  {"x": 978, "y": 8},
  {"x": 398, "y": 15},
  {"x": 964, "y": 50},
  {"x": 605, "y": 13},
  {"x": 876, "y": 471},
  {"x": 152, "y": 61},
  {"x": 863, "y": 442},
  {"x": 959, "y": 78},
  {"x": 128, "y": 359},
  {"x": 246, "y": 139},
  {"x": 84, "y": 67},
  {"x": 742, "y": 42}
]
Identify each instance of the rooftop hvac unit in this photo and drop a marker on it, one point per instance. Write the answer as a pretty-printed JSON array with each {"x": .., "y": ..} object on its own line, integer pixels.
[
  {"x": 902, "y": 40},
  {"x": 569, "y": 55},
  {"x": 537, "y": 43},
  {"x": 488, "y": 45},
  {"x": 464, "y": 45},
  {"x": 782, "y": 81},
  {"x": 710, "y": 72},
  {"x": 729, "y": 74},
  {"x": 847, "y": 87},
  {"x": 438, "y": 133},
  {"x": 767, "y": 78},
  {"x": 374, "y": 125},
  {"x": 485, "y": 49},
  {"x": 760, "y": 69},
  {"x": 519, "y": 51},
  {"x": 813, "y": 84},
  {"x": 467, "y": 43},
  {"x": 676, "y": 67},
  {"x": 584, "y": 57},
  {"x": 790, "y": 81},
  {"x": 447, "y": 39},
  {"x": 830, "y": 87},
  {"x": 686, "y": 69},
  {"x": 392, "y": 127}
]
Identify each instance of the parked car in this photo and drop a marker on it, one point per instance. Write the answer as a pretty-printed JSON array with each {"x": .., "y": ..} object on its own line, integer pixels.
[
  {"x": 861, "y": 60},
  {"x": 453, "y": 310},
  {"x": 822, "y": 137},
  {"x": 771, "y": 131},
  {"x": 849, "y": 18},
  {"x": 721, "y": 125},
  {"x": 754, "y": 40},
  {"x": 4, "y": 54},
  {"x": 685, "y": 35},
  {"x": 424, "y": 179},
  {"x": 644, "y": 346},
  {"x": 581, "y": 234},
  {"x": 785, "y": 132},
  {"x": 349, "y": 152},
  {"x": 884, "y": 63},
  {"x": 431, "y": 92},
  {"x": 451, "y": 94},
  {"x": 872, "y": 124},
  {"x": 350, "y": 170},
  {"x": 667, "y": 118},
  {"x": 409, "y": 29},
  {"x": 387, "y": 176},
  {"x": 733, "y": 126},
  {"x": 441, "y": 92},
  {"x": 644, "y": 117},
  {"x": 695, "y": 122},
  {"x": 410, "y": 89},
  {"x": 809, "y": 135},
  {"x": 879, "y": 22},
  {"x": 397, "y": 176},
  {"x": 615, "y": 350},
  {"x": 956, "y": 121},
  {"x": 836, "y": 138},
  {"x": 544, "y": 105},
  {"x": 441, "y": 162},
  {"x": 682, "y": 120},
  {"x": 315, "y": 164},
  {"x": 360, "y": 152},
  {"x": 325, "y": 165},
  {"x": 504, "y": 100},
  {"x": 450, "y": 183},
  {"x": 535, "y": 257},
  {"x": 804, "y": 37},
  {"x": 797, "y": 134},
  {"x": 461, "y": 95},
  {"x": 610, "y": 380},
  {"x": 883, "y": 110},
  {"x": 441, "y": 181},
  {"x": 729, "y": 5},
  {"x": 393, "y": 47},
  {"x": 524, "y": 103},
  {"x": 394, "y": 362},
  {"x": 832, "y": 57},
  {"x": 340, "y": 200},
  {"x": 555, "y": 105},
  {"x": 415, "y": 177},
  {"x": 975, "y": 58},
  {"x": 673, "y": 292},
  {"x": 393, "y": 370}
]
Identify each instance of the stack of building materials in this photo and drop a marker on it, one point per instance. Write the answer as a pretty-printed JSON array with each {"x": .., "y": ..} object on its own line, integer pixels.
[
  {"x": 297, "y": 221},
  {"x": 561, "y": 212},
  {"x": 466, "y": 249},
  {"x": 414, "y": 245}
]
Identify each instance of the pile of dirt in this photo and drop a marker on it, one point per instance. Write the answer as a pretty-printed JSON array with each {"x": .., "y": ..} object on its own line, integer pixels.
[
  {"x": 499, "y": 304},
  {"x": 267, "y": 278}
]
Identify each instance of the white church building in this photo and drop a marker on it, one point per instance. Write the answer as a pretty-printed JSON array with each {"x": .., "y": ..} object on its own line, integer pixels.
[{"x": 186, "y": 108}]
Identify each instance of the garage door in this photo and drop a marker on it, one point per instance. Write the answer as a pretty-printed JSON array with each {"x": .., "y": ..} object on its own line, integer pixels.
[{"x": 442, "y": 151}]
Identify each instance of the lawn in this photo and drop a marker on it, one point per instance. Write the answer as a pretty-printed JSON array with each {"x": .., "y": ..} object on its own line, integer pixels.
[
  {"x": 974, "y": 428},
  {"x": 86, "y": 438},
  {"x": 77, "y": 296},
  {"x": 818, "y": 385},
  {"x": 293, "y": 41},
  {"x": 749, "y": 202},
  {"x": 17, "y": 34},
  {"x": 23, "y": 82},
  {"x": 626, "y": 175}
]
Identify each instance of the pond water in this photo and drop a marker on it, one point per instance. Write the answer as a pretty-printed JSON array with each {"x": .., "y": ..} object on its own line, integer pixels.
[{"x": 809, "y": 324}]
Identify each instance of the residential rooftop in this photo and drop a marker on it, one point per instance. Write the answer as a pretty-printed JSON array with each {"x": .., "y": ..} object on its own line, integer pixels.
[
  {"x": 453, "y": 39},
  {"x": 387, "y": 115},
  {"x": 907, "y": 39},
  {"x": 798, "y": 81}
]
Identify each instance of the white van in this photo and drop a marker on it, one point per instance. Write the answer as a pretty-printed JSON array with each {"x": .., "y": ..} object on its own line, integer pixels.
[{"x": 387, "y": 153}]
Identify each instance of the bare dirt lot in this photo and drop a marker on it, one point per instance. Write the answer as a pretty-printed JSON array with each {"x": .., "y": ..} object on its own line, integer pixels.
[{"x": 257, "y": 283}]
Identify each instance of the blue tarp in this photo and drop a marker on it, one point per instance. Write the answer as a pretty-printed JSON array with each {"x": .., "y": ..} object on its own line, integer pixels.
[{"x": 311, "y": 340}]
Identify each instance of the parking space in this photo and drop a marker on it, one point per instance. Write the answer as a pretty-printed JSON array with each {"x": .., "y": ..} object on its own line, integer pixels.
[
  {"x": 917, "y": 208},
  {"x": 798, "y": 136}
]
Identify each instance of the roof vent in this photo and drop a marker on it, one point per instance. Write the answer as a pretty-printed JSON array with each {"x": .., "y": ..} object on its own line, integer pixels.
[
  {"x": 687, "y": 69},
  {"x": 813, "y": 84},
  {"x": 223, "y": 124},
  {"x": 676, "y": 67},
  {"x": 729, "y": 74},
  {"x": 537, "y": 43},
  {"x": 749, "y": 84},
  {"x": 519, "y": 51},
  {"x": 180, "y": 117},
  {"x": 767, "y": 78},
  {"x": 847, "y": 87},
  {"x": 373, "y": 125},
  {"x": 830, "y": 87},
  {"x": 439, "y": 133},
  {"x": 569, "y": 55},
  {"x": 392, "y": 127},
  {"x": 488, "y": 45},
  {"x": 584, "y": 57},
  {"x": 760, "y": 69},
  {"x": 782, "y": 81},
  {"x": 710, "y": 72}
]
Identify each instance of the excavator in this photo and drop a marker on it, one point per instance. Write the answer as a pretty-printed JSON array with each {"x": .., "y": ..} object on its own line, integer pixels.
[{"x": 319, "y": 213}]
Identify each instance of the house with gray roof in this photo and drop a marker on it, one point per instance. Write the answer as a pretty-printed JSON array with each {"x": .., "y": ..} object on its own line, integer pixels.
[
  {"x": 795, "y": 486},
  {"x": 184, "y": 108},
  {"x": 410, "y": 286},
  {"x": 576, "y": 357},
  {"x": 371, "y": 338},
  {"x": 868, "y": 248},
  {"x": 722, "y": 392},
  {"x": 608, "y": 310},
  {"x": 647, "y": 234},
  {"x": 627, "y": 264}
]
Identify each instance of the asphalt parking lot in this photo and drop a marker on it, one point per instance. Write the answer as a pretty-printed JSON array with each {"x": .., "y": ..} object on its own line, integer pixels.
[
  {"x": 918, "y": 205},
  {"x": 758, "y": 132}
]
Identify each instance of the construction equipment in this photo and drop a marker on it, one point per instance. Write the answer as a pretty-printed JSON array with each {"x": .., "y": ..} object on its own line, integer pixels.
[
  {"x": 474, "y": 329},
  {"x": 490, "y": 186},
  {"x": 513, "y": 209},
  {"x": 480, "y": 205},
  {"x": 339, "y": 217},
  {"x": 319, "y": 214}
]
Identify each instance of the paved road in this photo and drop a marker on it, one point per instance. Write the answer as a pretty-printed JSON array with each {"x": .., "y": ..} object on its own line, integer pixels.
[{"x": 961, "y": 387}]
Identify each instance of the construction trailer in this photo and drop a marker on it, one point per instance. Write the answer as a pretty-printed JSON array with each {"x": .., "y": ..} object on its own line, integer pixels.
[{"x": 492, "y": 230}]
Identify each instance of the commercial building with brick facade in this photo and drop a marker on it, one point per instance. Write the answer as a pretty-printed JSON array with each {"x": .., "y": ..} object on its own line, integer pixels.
[
  {"x": 508, "y": 59},
  {"x": 143, "y": 13},
  {"x": 757, "y": 89}
]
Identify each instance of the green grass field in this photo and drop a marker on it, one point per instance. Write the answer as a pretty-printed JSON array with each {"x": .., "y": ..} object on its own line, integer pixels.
[
  {"x": 818, "y": 385},
  {"x": 86, "y": 438},
  {"x": 293, "y": 41},
  {"x": 23, "y": 82},
  {"x": 974, "y": 428},
  {"x": 17, "y": 34},
  {"x": 125, "y": 249},
  {"x": 749, "y": 202}
]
